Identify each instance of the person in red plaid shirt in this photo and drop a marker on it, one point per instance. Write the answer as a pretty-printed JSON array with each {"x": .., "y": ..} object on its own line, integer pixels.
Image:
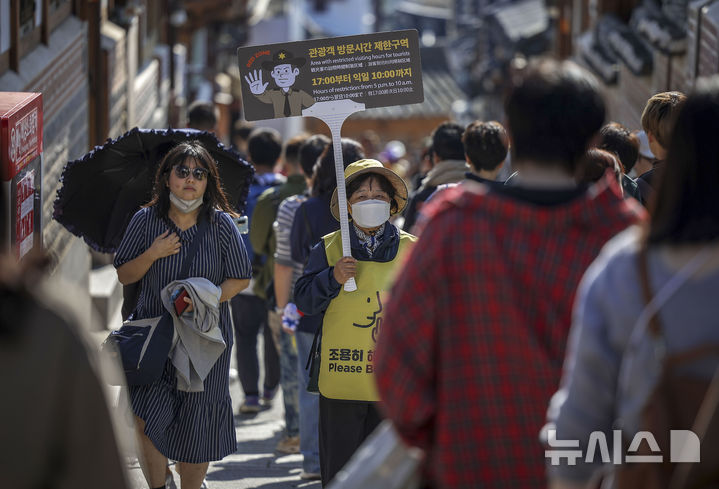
[{"x": 475, "y": 330}]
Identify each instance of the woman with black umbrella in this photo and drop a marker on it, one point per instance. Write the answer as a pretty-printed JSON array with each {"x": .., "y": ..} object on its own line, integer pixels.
[{"x": 192, "y": 428}]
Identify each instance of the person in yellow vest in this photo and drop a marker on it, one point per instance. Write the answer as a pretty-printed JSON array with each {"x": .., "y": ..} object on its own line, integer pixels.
[{"x": 353, "y": 320}]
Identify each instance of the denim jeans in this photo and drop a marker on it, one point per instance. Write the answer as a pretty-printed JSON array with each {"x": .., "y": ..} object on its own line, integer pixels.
[
  {"x": 309, "y": 407},
  {"x": 288, "y": 381}
]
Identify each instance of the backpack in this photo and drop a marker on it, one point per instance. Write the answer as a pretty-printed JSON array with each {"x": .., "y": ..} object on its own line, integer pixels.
[
  {"x": 679, "y": 401},
  {"x": 265, "y": 281},
  {"x": 260, "y": 183}
]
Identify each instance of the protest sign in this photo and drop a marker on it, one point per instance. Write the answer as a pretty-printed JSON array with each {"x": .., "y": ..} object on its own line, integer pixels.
[{"x": 330, "y": 79}]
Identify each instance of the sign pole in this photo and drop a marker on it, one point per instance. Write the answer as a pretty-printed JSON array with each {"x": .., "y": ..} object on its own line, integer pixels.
[{"x": 334, "y": 114}]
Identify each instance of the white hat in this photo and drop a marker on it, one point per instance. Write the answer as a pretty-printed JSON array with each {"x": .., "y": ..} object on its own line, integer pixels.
[{"x": 644, "y": 149}]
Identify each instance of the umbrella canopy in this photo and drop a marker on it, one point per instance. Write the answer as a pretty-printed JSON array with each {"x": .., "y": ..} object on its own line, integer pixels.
[{"x": 101, "y": 191}]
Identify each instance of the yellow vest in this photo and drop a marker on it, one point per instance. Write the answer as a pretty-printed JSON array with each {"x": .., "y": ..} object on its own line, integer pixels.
[{"x": 352, "y": 323}]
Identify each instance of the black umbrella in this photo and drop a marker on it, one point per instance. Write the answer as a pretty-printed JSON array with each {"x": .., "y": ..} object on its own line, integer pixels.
[{"x": 102, "y": 190}]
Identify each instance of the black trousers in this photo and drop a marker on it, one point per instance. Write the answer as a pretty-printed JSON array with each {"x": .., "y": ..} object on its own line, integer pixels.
[
  {"x": 344, "y": 425},
  {"x": 249, "y": 315}
]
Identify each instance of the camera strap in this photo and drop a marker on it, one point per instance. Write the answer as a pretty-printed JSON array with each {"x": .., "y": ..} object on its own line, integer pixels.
[{"x": 202, "y": 225}]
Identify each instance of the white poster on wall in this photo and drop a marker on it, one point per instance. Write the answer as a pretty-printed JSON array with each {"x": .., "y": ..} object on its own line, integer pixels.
[
  {"x": 38, "y": 12},
  {"x": 4, "y": 25}
]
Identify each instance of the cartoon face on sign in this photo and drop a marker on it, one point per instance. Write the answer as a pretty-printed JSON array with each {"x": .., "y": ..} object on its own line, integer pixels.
[
  {"x": 284, "y": 75},
  {"x": 284, "y": 70},
  {"x": 374, "y": 319}
]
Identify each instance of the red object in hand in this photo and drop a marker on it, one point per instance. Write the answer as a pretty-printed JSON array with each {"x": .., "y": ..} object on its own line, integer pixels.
[{"x": 180, "y": 304}]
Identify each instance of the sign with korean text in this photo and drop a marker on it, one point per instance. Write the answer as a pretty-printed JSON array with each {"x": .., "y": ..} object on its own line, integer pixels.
[
  {"x": 20, "y": 131},
  {"x": 377, "y": 70},
  {"x": 25, "y": 213}
]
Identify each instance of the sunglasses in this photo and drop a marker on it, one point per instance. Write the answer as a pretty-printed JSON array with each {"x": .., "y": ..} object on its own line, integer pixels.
[{"x": 199, "y": 174}]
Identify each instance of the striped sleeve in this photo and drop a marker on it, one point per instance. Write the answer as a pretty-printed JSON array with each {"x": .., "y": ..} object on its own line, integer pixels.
[
  {"x": 299, "y": 240},
  {"x": 236, "y": 261},
  {"x": 283, "y": 229},
  {"x": 133, "y": 241}
]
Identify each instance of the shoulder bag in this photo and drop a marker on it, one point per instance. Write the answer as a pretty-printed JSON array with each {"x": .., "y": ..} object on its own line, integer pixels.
[{"x": 143, "y": 345}]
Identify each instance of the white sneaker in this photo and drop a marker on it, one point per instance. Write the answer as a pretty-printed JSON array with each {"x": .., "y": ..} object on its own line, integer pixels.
[
  {"x": 204, "y": 484},
  {"x": 310, "y": 476}
]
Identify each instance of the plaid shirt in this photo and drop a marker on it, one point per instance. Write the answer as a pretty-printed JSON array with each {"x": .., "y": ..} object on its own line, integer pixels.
[{"x": 473, "y": 338}]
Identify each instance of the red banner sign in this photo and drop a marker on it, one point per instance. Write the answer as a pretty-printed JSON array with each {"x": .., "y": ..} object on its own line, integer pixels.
[
  {"x": 25, "y": 213},
  {"x": 20, "y": 131}
]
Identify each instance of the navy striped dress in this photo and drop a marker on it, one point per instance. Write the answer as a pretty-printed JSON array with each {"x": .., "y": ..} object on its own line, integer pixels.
[{"x": 191, "y": 427}]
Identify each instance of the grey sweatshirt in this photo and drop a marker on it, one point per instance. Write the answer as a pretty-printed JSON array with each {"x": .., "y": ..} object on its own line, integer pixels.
[
  {"x": 610, "y": 369},
  {"x": 198, "y": 341}
]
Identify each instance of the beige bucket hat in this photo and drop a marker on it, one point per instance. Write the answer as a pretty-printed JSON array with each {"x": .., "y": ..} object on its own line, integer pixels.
[{"x": 361, "y": 167}]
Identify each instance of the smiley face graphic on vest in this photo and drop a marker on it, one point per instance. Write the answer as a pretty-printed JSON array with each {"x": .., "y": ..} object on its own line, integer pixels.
[{"x": 374, "y": 319}]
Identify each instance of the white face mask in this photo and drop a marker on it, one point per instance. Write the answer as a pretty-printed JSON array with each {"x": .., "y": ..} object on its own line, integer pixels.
[
  {"x": 370, "y": 213},
  {"x": 185, "y": 206}
]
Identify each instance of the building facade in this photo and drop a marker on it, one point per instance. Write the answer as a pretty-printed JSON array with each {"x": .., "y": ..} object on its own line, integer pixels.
[{"x": 102, "y": 67}]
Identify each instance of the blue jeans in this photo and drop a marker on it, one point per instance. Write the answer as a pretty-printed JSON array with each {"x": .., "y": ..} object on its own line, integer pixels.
[
  {"x": 288, "y": 381},
  {"x": 309, "y": 407}
]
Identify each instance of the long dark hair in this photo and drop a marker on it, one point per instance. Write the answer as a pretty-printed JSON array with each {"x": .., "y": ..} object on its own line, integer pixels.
[
  {"x": 324, "y": 180},
  {"x": 214, "y": 197},
  {"x": 685, "y": 208}
]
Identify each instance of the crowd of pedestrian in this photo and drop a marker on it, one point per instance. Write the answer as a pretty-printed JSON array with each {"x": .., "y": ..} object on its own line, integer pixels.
[
  {"x": 522, "y": 314},
  {"x": 474, "y": 330}
]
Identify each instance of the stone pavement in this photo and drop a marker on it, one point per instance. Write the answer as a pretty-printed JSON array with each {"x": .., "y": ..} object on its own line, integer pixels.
[{"x": 255, "y": 463}]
